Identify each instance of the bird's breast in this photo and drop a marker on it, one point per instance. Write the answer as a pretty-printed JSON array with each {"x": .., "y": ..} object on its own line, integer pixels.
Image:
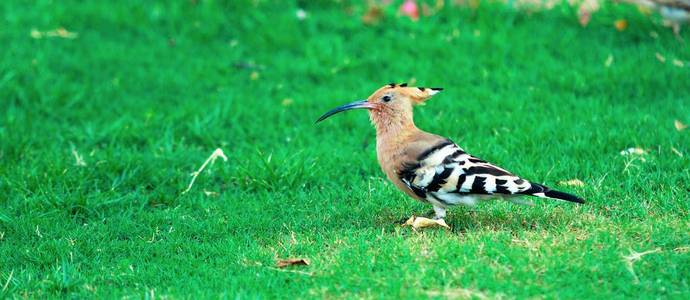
[{"x": 391, "y": 160}]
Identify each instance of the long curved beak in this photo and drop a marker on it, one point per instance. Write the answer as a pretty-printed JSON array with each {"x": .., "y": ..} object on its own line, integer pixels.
[{"x": 354, "y": 105}]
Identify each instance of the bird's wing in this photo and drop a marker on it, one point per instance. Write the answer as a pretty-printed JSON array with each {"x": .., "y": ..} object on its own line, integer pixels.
[{"x": 447, "y": 173}]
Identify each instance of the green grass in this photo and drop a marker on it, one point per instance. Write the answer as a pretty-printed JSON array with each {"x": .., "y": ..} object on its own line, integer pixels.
[{"x": 148, "y": 90}]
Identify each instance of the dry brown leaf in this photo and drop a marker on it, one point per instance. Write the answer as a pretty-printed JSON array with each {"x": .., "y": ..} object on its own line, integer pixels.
[
  {"x": 572, "y": 182},
  {"x": 421, "y": 222},
  {"x": 292, "y": 262},
  {"x": 679, "y": 125},
  {"x": 620, "y": 24},
  {"x": 254, "y": 75},
  {"x": 633, "y": 151}
]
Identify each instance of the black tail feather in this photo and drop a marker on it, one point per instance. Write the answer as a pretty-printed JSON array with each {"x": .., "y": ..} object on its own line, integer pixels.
[{"x": 563, "y": 196}]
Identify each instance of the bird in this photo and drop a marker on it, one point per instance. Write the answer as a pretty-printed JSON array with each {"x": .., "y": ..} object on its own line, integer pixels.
[{"x": 431, "y": 168}]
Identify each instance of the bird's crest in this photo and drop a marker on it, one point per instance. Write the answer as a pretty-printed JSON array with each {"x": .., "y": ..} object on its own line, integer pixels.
[{"x": 417, "y": 94}]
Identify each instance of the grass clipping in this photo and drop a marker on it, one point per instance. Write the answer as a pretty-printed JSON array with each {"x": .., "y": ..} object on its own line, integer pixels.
[{"x": 211, "y": 159}]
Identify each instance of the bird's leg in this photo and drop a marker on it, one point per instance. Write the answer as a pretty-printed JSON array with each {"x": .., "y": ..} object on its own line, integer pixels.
[{"x": 440, "y": 212}]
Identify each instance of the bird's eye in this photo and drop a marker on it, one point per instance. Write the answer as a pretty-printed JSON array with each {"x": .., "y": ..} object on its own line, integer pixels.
[{"x": 386, "y": 98}]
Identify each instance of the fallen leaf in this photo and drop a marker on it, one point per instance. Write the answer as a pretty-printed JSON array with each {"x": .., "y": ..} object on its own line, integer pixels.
[
  {"x": 633, "y": 151},
  {"x": 421, "y": 222},
  {"x": 287, "y": 102},
  {"x": 292, "y": 262},
  {"x": 660, "y": 58},
  {"x": 678, "y": 63},
  {"x": 620, "y": 24},
  {"x": 679, "y": 125},
  {"x": 254, "y": 75},
  {"x": 572, "y": 182}
]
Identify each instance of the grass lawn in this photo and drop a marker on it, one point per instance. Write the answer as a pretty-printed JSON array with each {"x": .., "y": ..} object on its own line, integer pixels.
[{"x": 146, "y": 91}]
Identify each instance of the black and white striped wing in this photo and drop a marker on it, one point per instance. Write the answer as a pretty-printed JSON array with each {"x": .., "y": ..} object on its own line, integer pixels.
[{"x": 447, "y": 174}]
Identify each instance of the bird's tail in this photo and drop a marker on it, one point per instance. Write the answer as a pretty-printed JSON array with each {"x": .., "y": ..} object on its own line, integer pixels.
[{"x": 545, "y": 192}]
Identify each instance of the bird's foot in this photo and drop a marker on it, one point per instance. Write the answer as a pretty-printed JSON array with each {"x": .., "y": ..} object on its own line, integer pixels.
[{"x": 440, "y": 212}]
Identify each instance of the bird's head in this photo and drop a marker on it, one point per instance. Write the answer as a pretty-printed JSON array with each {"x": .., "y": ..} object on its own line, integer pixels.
[{"x": 390, "y": 105}]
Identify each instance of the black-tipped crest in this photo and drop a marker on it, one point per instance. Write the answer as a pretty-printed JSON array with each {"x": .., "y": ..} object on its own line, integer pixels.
[{"x": 393, "y": 84}]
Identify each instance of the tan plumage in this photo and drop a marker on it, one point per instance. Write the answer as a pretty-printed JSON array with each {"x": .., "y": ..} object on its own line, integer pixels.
[{"x": 429, "y": 167}]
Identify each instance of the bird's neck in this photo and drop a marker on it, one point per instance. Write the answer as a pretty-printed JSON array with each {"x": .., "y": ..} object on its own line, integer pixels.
[
  {"x": 393, "y": 130},
  {"x": 392, "y": 136}
]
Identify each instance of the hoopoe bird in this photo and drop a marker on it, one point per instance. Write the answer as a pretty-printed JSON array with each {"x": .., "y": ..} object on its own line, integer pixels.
[{"x": 431, "y": 168}]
